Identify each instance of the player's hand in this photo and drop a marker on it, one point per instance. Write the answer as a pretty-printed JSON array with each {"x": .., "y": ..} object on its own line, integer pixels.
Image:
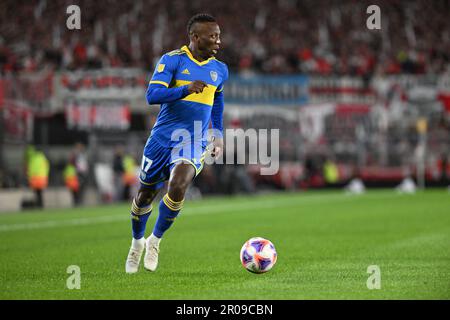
[
  {"x": 217, "y": 147},
  {"x": 196, "y": 86}
]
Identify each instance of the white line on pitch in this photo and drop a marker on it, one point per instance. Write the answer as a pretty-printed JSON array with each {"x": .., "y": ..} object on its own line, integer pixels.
[{"x": 252, "y": 207}]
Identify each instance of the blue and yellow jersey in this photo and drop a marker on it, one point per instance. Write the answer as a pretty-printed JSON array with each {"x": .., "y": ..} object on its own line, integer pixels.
[{"x": 179, "y": 68}]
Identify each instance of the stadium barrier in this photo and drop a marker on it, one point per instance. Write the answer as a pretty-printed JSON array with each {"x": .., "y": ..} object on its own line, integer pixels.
[
  {"x": 14, "y": 200},
  {"x": 357, "y": 121}
]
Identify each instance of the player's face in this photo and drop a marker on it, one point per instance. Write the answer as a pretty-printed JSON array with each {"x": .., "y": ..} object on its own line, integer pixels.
[{"x": 208, "y": 38}]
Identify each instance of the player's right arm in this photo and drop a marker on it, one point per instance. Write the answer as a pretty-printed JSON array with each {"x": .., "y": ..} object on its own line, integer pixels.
[{"x": 158, "y": 90}]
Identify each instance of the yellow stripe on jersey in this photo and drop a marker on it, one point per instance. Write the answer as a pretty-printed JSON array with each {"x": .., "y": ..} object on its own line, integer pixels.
[
  {"x": 190, "y": 56},
  {"x": 160, "y": 82},
  {"x": 176, "y": 52},
  {"x": 206, "y": 97}
]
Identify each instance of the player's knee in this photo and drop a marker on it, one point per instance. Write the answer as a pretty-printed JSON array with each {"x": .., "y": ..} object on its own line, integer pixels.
[
  {"x": 144, "y": 197},
  {"x": 178, "y": 187},
  {"x": 179, "y": 181}
]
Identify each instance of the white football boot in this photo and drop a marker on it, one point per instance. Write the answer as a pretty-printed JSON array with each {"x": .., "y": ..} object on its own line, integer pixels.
[
  {"x": 134, "y": 255},
  {"x": 151, "y": 253}
]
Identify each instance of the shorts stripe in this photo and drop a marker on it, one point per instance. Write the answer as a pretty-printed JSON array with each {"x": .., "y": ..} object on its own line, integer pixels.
[{"x": 153, "y": 183}]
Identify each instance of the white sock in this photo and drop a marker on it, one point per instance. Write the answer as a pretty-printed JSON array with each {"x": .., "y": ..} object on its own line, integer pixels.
[
  {"x": 138, "y": 244},
  {"x": 154, "y": 239}
]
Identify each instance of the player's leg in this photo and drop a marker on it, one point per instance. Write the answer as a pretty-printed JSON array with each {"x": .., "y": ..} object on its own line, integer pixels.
[
  {"x": 170, "y": 205},
  {"x": 152, "y": 180},
  {"x": 141, "y": 210},
  {"x": 39, "y": 198}
]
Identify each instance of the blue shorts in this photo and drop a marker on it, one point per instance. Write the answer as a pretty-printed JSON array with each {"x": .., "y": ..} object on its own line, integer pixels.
[{"x": 158, "y": 161}]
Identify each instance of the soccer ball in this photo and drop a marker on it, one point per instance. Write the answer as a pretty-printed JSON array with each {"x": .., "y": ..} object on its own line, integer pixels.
[{"x": 258, "y": 255}]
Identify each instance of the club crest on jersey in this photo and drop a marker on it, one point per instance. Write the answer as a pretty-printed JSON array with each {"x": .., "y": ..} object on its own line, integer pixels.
[
  {"x": 161, "y": 67},
  {"x": 213, "y": 75}
]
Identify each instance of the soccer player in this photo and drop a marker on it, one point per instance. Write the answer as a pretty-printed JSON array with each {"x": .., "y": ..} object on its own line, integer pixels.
[{"x": 188, "y": 83}]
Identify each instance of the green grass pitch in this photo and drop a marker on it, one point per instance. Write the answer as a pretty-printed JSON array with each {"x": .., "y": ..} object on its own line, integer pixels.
[{"x": 325, "y": 243}]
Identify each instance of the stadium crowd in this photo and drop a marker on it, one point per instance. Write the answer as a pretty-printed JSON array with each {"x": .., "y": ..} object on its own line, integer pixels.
[{"x": 283, "y": 36}]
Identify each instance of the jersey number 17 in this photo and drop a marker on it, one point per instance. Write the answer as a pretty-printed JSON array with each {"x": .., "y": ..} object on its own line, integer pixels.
[{"x": 146, "y": 163}]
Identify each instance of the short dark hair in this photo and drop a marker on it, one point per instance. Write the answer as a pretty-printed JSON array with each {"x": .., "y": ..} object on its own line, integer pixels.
[{"x": 199, "y": 17}]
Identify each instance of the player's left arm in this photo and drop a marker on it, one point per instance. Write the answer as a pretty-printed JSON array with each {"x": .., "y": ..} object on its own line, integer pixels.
[
  {"x": 217, "y": 124},
  {"x": 158, "y": 91},
  {"x": 217, "y": 118}
]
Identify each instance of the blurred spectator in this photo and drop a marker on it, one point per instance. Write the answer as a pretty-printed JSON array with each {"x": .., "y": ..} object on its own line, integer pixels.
[
  {"x": 118, "y": 170},
  {"x": 129, "y": 176},
  {"x": 71, "y": 182},
  {"x": 125, "y": 174},
  {"x": 330, "y": 172},
  {"x": 444, "y": 166},
  {"x": 285, "y": 36},
  {"x": 313, "y": 172},
  {"x": 38, "y": 168},
  {"x": 79, "y": 159}
]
